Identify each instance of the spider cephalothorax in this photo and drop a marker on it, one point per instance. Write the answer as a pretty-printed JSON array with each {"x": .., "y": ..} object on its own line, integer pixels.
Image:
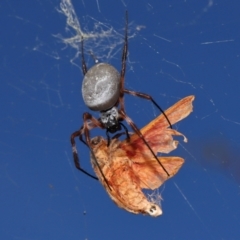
[{"x": 110, "y": 120}]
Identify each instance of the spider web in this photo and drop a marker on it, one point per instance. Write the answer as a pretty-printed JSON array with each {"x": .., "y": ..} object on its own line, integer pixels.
[{"x": 177, "y": 48}]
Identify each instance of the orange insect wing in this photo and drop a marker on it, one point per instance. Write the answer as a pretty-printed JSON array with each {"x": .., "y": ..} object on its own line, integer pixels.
[
  {"x": 157, "y": 133},
  {"x": 129, "y": 166},
  {"x": 152, "y": 174}
]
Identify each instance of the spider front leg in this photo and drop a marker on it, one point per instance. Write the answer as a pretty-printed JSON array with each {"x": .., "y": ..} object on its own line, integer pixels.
[
  {"x": 148, "y": 97},
  {"x": 89, "y": 123},
  {"x": 84, "y": 66},
  {"x": 75, "y": 154}
]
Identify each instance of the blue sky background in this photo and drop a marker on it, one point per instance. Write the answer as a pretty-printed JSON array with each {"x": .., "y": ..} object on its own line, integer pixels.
[{"x": 176, "y": 48}]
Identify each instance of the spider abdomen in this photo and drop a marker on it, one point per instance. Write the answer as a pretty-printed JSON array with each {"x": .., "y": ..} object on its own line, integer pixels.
[{"x": 101, "y": 87}]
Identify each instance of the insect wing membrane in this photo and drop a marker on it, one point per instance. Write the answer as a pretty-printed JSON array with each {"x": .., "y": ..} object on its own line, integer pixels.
[
  {"x": 157, "y": 133},
  {"x": 152, "y": 174}
]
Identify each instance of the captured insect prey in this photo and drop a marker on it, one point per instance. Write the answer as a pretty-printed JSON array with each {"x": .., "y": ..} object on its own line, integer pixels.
[{"x": 128, "y": 166}]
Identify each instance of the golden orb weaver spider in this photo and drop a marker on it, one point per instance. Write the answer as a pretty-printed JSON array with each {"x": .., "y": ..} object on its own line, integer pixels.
[{"x": 103, "y": 91}]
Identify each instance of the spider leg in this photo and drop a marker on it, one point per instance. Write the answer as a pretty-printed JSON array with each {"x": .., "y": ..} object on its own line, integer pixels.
[
  {"x": 84, "y": 66},
  {"x": 136, "y": 129},
  {"x": 75, "y": 155},
  {"x": 97, "y": 123},
  {"x": 122, "y": 91},
  {"x": 89, "y": 122},
  {"x": 123, "y": 70},
  {"x": 148, "y": 97},
  {"x": 126, "y": 130},
  {"x": 124, "y": 58}
]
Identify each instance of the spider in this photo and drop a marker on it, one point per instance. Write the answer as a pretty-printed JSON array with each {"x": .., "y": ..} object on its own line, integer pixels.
[{"x": 103, "y": 91}]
